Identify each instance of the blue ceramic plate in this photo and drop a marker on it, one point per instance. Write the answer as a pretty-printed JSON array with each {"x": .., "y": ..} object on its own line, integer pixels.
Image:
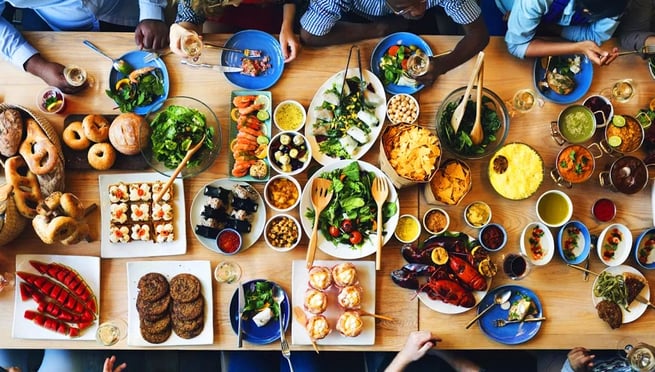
[
  {"x": 582, "y": 79},
  {"x": 511, "y": 334},
  {"x": 135, "y": 58},
  {"x": 578, "y": 242},
  {"x": 399, "y": 38},
  {"x": 253, "y": 39},
  {"x": 251, "y": 333},
  {"x": 645, "y": 248}
]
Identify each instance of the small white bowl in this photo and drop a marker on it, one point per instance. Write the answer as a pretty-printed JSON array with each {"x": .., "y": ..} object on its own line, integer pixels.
[
  {"x": 477, "y": 214},
  {"x": 298, "y": 142},
  {"x": 402, "y": 108},
  {"x": 546, "y": 243},
  {"x": 429, "y": 215},
  {"x": 287, "y": 111},
  {"x": 615, "y": 235},
  {"x": 272, "y": 235},
  {"x": 408, "y": 219},
  {"x": 282, "y": 193}
]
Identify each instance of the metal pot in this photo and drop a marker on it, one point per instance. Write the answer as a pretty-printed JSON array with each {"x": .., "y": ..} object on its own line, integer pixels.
[
  {"x": 627, "y": 174},
  {"x": 631, "y": 135},
  {"x": 575, "y": 164},
  {"x": 575, "y": 124}
]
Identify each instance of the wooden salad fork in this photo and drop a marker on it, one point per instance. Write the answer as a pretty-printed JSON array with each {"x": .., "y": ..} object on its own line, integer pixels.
[
  {"x": 321, "y": 194},
  {"x": 380, "y": 192}
]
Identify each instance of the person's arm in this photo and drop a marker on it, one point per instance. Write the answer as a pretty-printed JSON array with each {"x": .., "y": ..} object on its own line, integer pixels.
[
  {"x": 578, "y": 360},
  {"x": 418, "y": 343},
  {"x": 635, "y": 30},
  {"x": 109, "y": 365},
  {"x": 187, "y": 22},
  {"x": 288, "y": 40},
  {"x": 542, "y": 48},
  {"x": 152, "y": 31}
]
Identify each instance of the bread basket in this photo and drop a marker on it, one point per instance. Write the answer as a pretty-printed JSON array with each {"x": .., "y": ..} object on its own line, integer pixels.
[{"x": 14, "y": 223}]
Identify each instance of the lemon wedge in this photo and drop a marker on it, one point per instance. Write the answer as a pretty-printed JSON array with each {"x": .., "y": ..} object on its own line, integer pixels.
[
  {"x": 439, "y": 256},
  {"x": 121, "y": 82},
  {"x": 234, "y": 114},
  {"x": 264, "y": 101},
  {"x": 618, "y": 121},
  {"x": 53, "y": 106},
  {"x": 487, "y": 268},
  {"x": 614, "y": 141},
  {"x": 262, "y": 151}
]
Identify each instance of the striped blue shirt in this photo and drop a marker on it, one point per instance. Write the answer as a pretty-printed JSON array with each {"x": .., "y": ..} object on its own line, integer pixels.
[{"x": 322, "y": 15}]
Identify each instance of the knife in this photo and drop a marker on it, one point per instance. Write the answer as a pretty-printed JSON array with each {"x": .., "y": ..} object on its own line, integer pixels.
[
  {"x": 242, "y": 304},
  {"x": 219, "y": 68},
  {"x": 643, "y": 300}
]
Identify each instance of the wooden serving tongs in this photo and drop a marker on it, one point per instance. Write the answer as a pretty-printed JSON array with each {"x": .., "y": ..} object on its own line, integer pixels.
[{"x": 458, "y": 114}]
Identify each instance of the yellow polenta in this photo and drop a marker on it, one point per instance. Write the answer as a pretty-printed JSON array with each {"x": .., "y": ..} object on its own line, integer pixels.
[{"x": 516, "y": 171}]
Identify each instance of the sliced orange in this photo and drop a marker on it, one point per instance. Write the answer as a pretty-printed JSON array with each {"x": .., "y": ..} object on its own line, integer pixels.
[{"x": 234, "y": 114}]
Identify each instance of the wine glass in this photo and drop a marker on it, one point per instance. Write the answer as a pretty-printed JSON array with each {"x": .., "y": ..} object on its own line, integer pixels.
[
  {"x": 524, "y": 100},
  {"x": 418, "y": 64},
  {"x": 192, "y": 46},
  {"x": 640, "y": 356},
  {"x": 622, "y": 91}
]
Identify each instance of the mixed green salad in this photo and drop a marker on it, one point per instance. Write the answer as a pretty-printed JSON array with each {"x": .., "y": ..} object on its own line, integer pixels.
[
  {"x": 258, "y": 296},
  {"x": 141, "y": 90},
  {"x": 393, "y": 65},
  {"x": 461, "y": 141},
  {"x": 175, "y": 130},
  {"x": 351, "y": 215}
]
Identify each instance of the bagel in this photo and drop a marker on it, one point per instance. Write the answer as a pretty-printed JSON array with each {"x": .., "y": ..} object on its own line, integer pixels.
[
  {"x": 27, "y": 193},
  {"x": 75, "y": 138},
  {"x": 54, "y": 230},
  {"x": 101, "y": 156},
  {"x": 39, "y": 153},
  {"x": 96, "y": 128}
]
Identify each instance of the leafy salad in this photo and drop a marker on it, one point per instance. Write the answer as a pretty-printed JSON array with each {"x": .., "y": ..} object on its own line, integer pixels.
[
  {"x": 351, "y": 216},
  {"x": 137, "y": 90},
  {"x": 461, "y": 141},
  {"x": 259, "y": 296},
  {"x": 175, "y": 130},
  {"x": 394, "y": 65}
]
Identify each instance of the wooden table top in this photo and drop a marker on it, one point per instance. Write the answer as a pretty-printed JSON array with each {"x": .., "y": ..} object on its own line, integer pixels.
[{"x": 565, "y": 296}]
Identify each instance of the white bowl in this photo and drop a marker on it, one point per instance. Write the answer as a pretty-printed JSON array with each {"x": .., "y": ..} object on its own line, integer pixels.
[
  {"x": 547, "y": 244},
  {"x": 402, "y": 108},
  {"x": 623, "y": 244},
  {"x": 270, "y": 235},
  {"x": 274, "y": 186},
  {"x": 277, "y": 144},
  {"x": 483, "y": 212},
  {"x": 408, "y": 218},
  {"x": 289, "y": 105},
  {"x": 427, "y": 216}
]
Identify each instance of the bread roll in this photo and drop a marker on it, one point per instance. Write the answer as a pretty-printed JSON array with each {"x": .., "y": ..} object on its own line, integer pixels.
[
  {"x": 128, "y": 132},
  {"x": 11, "y": 131}
]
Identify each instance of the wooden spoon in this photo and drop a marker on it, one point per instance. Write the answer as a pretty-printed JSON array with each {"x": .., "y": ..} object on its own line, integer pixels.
[
  {"x": 301, "y": 318},
  {"x": 179, "y": 168},
  {"x": 321, "y": 194},
  {"x": 458, "y": 114},
  {"x": 477, "y": 135}
]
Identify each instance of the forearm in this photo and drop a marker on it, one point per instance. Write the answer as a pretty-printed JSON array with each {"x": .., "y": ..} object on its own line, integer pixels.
[
  {"x": 541, "y": 48},
  {"x": 288, "y": 17},
  {"x": 343, "y": 33},
  {"x": 475, "y": 40},
  {"x": 398, "y": 364}
]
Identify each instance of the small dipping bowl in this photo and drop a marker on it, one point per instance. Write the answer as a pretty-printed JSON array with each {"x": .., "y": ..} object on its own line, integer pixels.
[
  {"x": 602, "y": 109},
  {"x": 402, "y": 108},
  {"x": 282, "y": 232},
  {"x": 51, "y": 100},
  {"x": 229, "y": 241},
  {"x": 492, "y": 237},
  {"x": 574, "y": 242},
  {"x": 604, "y": 210},
  {"x": 645, "y": 249},
  {"x": 282, "y": 193},
  {"x": 436, "y": 221},
  {"x": 477, "y": 214},
  {"x": 289, "y": 115},
  {"x": 408, "y": 229}
]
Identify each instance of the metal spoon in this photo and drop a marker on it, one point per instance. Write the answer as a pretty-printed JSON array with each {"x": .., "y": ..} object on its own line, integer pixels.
[
  {"x": 503, "y": 322},
  {"x": 543, "y": 83},
  {"x": 118, "y": 64},
  {"x": 499, "y": 298}
]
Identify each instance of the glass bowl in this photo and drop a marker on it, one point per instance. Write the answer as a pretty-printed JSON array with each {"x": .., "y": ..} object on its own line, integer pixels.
[
  {"x": 164, "y": 152},
  {"x": 493, "y": 138}
]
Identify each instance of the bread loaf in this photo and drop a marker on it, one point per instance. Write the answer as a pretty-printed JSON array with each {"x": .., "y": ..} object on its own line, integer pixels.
[
  {"x": 11, "y": 132},
  {"x": 128, "y": 132}
]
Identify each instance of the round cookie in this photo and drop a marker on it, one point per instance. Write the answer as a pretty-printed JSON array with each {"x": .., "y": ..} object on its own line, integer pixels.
[
  {"x": 184, "y": 287},
  {"x": 152, "y": 310},
  {"x": 156, "y": 326},
  {"x": 189, "y": 310},
  {"x": 153, "y": 286},
  {"x": 188, "y": 328},
  {"x": 156, "y": 338}
]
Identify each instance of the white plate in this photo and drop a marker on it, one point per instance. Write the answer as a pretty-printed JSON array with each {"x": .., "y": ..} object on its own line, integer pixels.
[
  {"x": 299, "y": 282},
  {"x": 141, "y": 248},
  {"x": 88, "y": 268},
  {"x": 380, "y": 113},
  {"x": 258, "y": 222},
  {"x": 636, "y": 308},
  {"x": 345, "y": 251},
  {"x": 201, "y": 269},
  {"x": 547, "y": 244},
  {"x": 624, "y": 247}
]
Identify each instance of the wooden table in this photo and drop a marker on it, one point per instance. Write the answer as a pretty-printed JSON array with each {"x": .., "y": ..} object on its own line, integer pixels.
[{"x": 566, "y": 297}]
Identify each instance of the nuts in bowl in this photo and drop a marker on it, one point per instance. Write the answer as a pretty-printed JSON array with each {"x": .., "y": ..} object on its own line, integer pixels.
[
  {"x": 402, "y": 108},
  {"x": 282, "y": 232},
  {"x": 289, "y": 153},
  {"x": 282, "y": 193}
]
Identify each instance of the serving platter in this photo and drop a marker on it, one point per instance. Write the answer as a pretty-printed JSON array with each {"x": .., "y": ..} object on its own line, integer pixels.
[
  {"x": 253, "y": 39},
  {"x": 201, "y": 269},
  {"x": 141, "y": 248},
  {"x": 88, "y": 268},
  {"x": 366, "y": 276},
  {"x": 317, "y": 101},
  {"x": 583, "y": 80},
  {"x": 637, "y": 309},
  {"x": 344, "y": 251}
]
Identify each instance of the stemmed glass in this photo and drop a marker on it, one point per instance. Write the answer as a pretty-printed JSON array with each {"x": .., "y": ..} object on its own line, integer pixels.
[
  {"x": 524, "y": 100},
  {"x": 192, "y": 46},
  {"x": 639, "y": 356},
  {"x": 622, "y": 91}
]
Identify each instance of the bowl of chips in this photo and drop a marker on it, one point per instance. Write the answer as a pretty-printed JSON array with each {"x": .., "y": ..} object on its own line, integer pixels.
[
  {"x": 450, "y": 183},
  {"x": 409, "y": 154}
]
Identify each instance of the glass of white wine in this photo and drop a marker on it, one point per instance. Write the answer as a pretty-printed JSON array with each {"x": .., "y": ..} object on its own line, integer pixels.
[
  {"x": 418, "y": 64},
  {"x": 622, "y": 91},
  {"x": 192, "y": 46}
]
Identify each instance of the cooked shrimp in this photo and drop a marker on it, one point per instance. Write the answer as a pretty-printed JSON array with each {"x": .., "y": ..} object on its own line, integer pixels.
[
  {"x": 134, "y": 75},
  {"x": 243, "y": 101}
]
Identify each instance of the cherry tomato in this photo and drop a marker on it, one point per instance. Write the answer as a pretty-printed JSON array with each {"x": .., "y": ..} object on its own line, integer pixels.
[
  {"x": 393, "y": 50},
  {"x": 346, "y": 226},
  {"x": 403, "y": 64},
  {"x": 355, "y": 237},
  {"x": 334, "y": 231}
]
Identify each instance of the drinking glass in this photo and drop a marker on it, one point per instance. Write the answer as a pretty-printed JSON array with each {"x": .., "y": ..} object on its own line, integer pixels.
[
  {"x": 75, "y": 76},
  {"x": 112, "y": 331},
  {"x": 516, "y": 266},
  {"x": 227, "y": 272},
  {"x": 622, "y": 91},
  {"x": 7, "y": 281},
  {"x": 524, "y": 100},
  {"x": 418, "y": 64},
  {"x": 192, "y": 46},
  {"x": 639, "y": 356}
]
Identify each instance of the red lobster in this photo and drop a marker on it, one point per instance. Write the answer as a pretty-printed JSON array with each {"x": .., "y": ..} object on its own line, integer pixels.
[
  {"x": 51, "y": 323},
  {"x": 448, "y": 291},
  {"x": 58, "y": 293},
  {"x": 54, "y": 309},
  {"x": 71, "y": 279},
  {"x": 468, "y": 274}
]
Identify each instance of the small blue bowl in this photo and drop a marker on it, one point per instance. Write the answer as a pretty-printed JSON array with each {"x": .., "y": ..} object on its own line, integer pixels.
[
  {"x": 484, "y": 237},
  {"x": 583, "y": 239},
  {"x": 644, "y": 248}
]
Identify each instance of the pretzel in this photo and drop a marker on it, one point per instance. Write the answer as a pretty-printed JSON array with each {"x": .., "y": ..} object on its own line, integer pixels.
[
  {"x": 55, "y": 229},
  {"x": 61, "y": 204},
  {"x": 27, "y": 193},
  {"x": 40, "y": 154},
  {"x": 81, "y": 233}
]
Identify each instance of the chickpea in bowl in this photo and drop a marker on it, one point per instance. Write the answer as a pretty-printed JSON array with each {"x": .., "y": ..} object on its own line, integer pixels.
[
  {"x": 402, "y": 108},
  {"x": 282, "y": 193},
  {"x": 282, "y": 232}
]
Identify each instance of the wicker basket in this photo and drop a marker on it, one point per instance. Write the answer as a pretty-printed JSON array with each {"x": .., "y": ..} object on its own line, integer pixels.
[{"x": 14, "y": 223}]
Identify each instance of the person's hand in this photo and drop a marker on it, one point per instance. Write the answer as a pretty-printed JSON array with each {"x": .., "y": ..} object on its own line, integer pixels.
[
  {"x": 177, "y": 33},
  {"x": 580, "y": 359},
  {"x": 151, "y": 34},
  {"x": 594, "y": 52},
  {"x": 50, "y": 72},
  {"x": 109, "y": 365},
  {"x": 610, "y": 57},
  {"x": 290, "y": 45},
  {"x": 418, "y": 343}
]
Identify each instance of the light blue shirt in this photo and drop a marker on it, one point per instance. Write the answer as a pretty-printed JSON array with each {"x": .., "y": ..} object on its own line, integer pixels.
[
  {"x": 525, "y": 17},
  {"x": 322, "y": 15},
  {"x": 73, "y": 15}
]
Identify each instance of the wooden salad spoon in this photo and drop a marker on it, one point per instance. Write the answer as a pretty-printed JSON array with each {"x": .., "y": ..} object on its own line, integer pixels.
[
  {"x": 185, "y": 160},
  {"x": 477, "y": 135},
  {"x": 321, "y": 193}
]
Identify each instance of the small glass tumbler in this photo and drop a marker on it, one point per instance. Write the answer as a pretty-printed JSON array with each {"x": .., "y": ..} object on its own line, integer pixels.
[
  {"x": 112, "y": 331},
  {"x": 192, "y": 46},
  {"x": 516, "y": 266},
  {"x": 227, "y": 272},
  {"x": 75, "y": 76}
]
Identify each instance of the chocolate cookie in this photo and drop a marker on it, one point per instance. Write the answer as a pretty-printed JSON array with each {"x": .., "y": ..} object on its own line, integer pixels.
[
  {"x": 152, "y": 310},
  {"x": 185, "y": 287},
  {"x": 156, "y": 338},
  {"x": 158, "y": 326},
  {"x": 152, "y": 287},
  {"x": 188, "y": 328},
  {"x": 189, "y": 310}
]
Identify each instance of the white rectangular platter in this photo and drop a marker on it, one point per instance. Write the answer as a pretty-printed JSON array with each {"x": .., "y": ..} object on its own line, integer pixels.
[
  {"x": 137, "y": 269},
  {"x": 299, "y": 282},
  {"x": 141, "y": 248},
  {"x": 88, "y": 268}
]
